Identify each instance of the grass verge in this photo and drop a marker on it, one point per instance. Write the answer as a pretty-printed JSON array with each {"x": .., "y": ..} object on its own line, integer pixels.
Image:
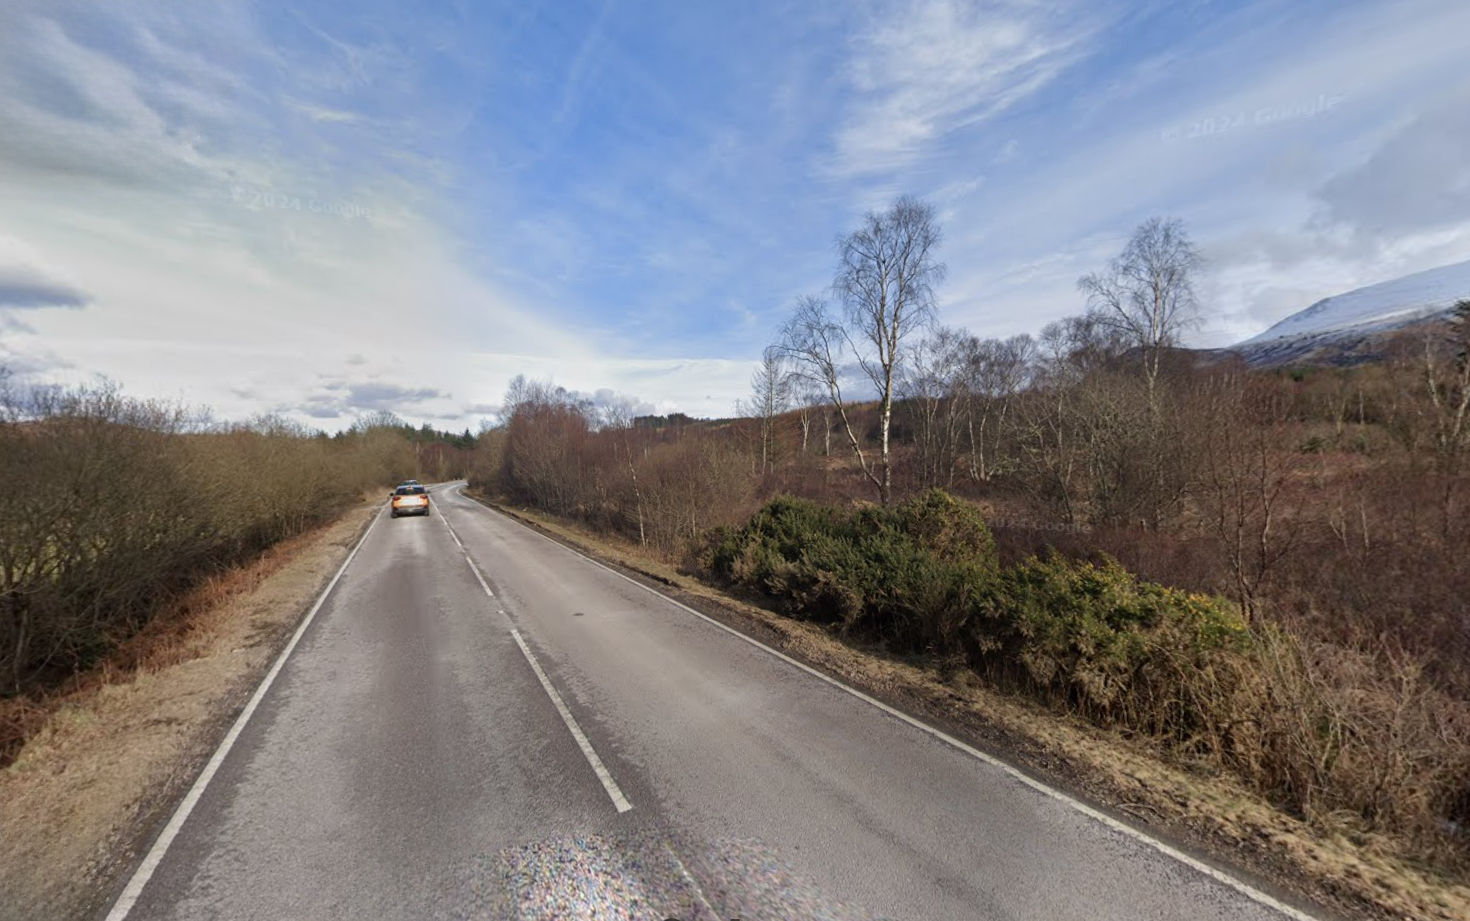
[
  {"x": 1351, "y": 873},
  {"x": 105, "y": 760}
]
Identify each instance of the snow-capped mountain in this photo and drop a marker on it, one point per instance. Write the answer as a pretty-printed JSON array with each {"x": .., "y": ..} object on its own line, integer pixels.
[
  {"x": 1382, "y": 306},
  {"x": 1345, "y": 327}
]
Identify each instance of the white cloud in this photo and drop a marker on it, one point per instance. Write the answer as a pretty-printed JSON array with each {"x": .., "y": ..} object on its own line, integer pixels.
[
  {"x": 927, "y": 69},
  {"x": 319, "y": 113},
  {"x": 1249, "y": 197},
  {"x": 70, "y": 110},
  {"x": 194, "y": 291}
]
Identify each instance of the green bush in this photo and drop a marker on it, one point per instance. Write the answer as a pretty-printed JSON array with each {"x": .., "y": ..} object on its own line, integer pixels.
[
  {"x": 952, "y": 530},
  {"x": 923, "y": 578},
  {"x": 1314, "y": 728},
  {"x": 1118, "y": 649},
  {"x": 910, "y": 576}
]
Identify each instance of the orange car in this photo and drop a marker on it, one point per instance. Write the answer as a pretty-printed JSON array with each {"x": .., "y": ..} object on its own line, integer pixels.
[{"x": 410, "y": 500}]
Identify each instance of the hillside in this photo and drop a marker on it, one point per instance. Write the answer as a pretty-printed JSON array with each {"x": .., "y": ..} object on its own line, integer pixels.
[{"x": 1355, "y": 327}]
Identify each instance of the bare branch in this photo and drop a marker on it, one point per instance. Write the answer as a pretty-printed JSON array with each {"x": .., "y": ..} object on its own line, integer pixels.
[{"x": 1146, "y": 294}]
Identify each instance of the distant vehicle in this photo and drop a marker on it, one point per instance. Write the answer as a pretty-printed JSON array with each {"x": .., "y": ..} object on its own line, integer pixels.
[
  {"x": 410, "y": 500},
  {"x": 410, "y": 483}
]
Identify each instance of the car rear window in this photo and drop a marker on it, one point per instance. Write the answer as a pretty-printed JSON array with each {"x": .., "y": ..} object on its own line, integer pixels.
[{"x": 411, "y": 490}]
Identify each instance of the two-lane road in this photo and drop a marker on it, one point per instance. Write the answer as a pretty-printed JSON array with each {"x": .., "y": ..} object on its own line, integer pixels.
[{"x": 480, "y": 723}]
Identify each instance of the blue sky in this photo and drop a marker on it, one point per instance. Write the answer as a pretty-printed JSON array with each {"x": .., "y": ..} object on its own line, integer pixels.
[{"x": 323, "y": 209}]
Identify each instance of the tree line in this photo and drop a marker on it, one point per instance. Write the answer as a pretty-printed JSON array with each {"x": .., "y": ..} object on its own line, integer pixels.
[{"x": 117, "y": 507}]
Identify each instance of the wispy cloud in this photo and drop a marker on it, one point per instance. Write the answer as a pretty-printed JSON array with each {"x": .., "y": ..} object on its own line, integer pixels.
[
  {"x": 584, "y": 65},
  {"x": 188, "y": 287},
  {"x": 924, "y": 70},
  {"x": 1280, "y": 209},
  {"x": 76, "y": 111},
  {"x": 319, "y": 113},
  {"x": 29, "y": 362}
]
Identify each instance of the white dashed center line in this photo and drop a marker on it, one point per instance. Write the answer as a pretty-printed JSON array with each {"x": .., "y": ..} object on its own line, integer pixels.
[{"x": 611, "y": 786}]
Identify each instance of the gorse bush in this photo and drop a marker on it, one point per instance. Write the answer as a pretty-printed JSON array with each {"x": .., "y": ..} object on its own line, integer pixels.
[
  {"x": 1120, "y": 650},
  {"x": 911, "y": 576},
  {"x": 923, "y": 577},
  {"x": 1319, "y": 730}
]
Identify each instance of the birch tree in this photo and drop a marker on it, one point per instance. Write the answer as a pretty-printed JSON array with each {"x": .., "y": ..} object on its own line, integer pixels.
[
  {"x": 1147, "y": 294},
  {"x": 886, "y": 276}
]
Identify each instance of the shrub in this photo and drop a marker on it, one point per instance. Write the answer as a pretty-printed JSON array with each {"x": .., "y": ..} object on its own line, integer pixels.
[
  {"x": 952, "y": 530},
  {"x": 910, "y": 576},
  {"x": 1117, "y": 649}
]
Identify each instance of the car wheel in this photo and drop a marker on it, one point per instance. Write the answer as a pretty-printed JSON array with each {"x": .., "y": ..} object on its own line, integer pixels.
[{"x": 393, "y": 514}]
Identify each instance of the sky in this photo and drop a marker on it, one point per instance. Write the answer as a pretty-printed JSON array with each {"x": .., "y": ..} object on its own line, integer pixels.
[{"x": 322, "y": 210}]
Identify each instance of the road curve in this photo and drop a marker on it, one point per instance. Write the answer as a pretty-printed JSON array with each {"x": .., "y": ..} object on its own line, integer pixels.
[{"x": 481, "y": 723}]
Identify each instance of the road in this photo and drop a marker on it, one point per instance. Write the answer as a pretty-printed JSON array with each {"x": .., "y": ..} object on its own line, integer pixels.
[{"x": 480, "y": 723}]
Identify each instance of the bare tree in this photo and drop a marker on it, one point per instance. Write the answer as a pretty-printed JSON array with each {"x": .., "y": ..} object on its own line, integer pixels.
[
  {"x": 817, "y": 344},
  {"x": 1247, "y": 502},
  {"x": 544, "y": 425},
  {"x": 1071, "y": 348},
  {"x": 378, "y": 419},
  {"x": 1063, "y": 427},
  {"x": 1446, "y": 375},
  {"x": 810, "y": 401},
  {"x": 1447, "y": 378},
  {"x": 886, "y": 275},
  {"x": 933, "y": 385},
  {"x": 770, "y": 396},
  {"x": 1147, "y": 292},
  {"x": 994, "y": 373},
  {"x": 1146, "y": 296},
  {"x": 617, "y": 423}
]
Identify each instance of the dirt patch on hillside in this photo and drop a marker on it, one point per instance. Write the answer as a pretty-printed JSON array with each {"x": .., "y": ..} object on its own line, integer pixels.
[
  {"x": 93, "y": 784},
  {"x": 1352, "y": 873}
]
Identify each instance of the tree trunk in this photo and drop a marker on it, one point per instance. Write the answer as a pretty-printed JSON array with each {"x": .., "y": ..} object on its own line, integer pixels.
[{"x": 885, "y": 488}]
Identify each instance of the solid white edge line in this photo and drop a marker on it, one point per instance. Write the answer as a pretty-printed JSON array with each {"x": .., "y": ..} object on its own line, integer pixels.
[
  {"x": 608, "y": 784},
  {"x": 1167, "y": 850},
  {"x": 146, "y": 869}
]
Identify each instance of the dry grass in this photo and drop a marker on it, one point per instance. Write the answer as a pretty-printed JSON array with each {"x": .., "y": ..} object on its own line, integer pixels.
[
  {"x": 1352, "y": 871},
  {"x": 109, "y": 754}
]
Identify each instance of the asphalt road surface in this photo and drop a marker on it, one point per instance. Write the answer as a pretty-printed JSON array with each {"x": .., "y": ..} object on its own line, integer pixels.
[{"x": 480, "y": 723}]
